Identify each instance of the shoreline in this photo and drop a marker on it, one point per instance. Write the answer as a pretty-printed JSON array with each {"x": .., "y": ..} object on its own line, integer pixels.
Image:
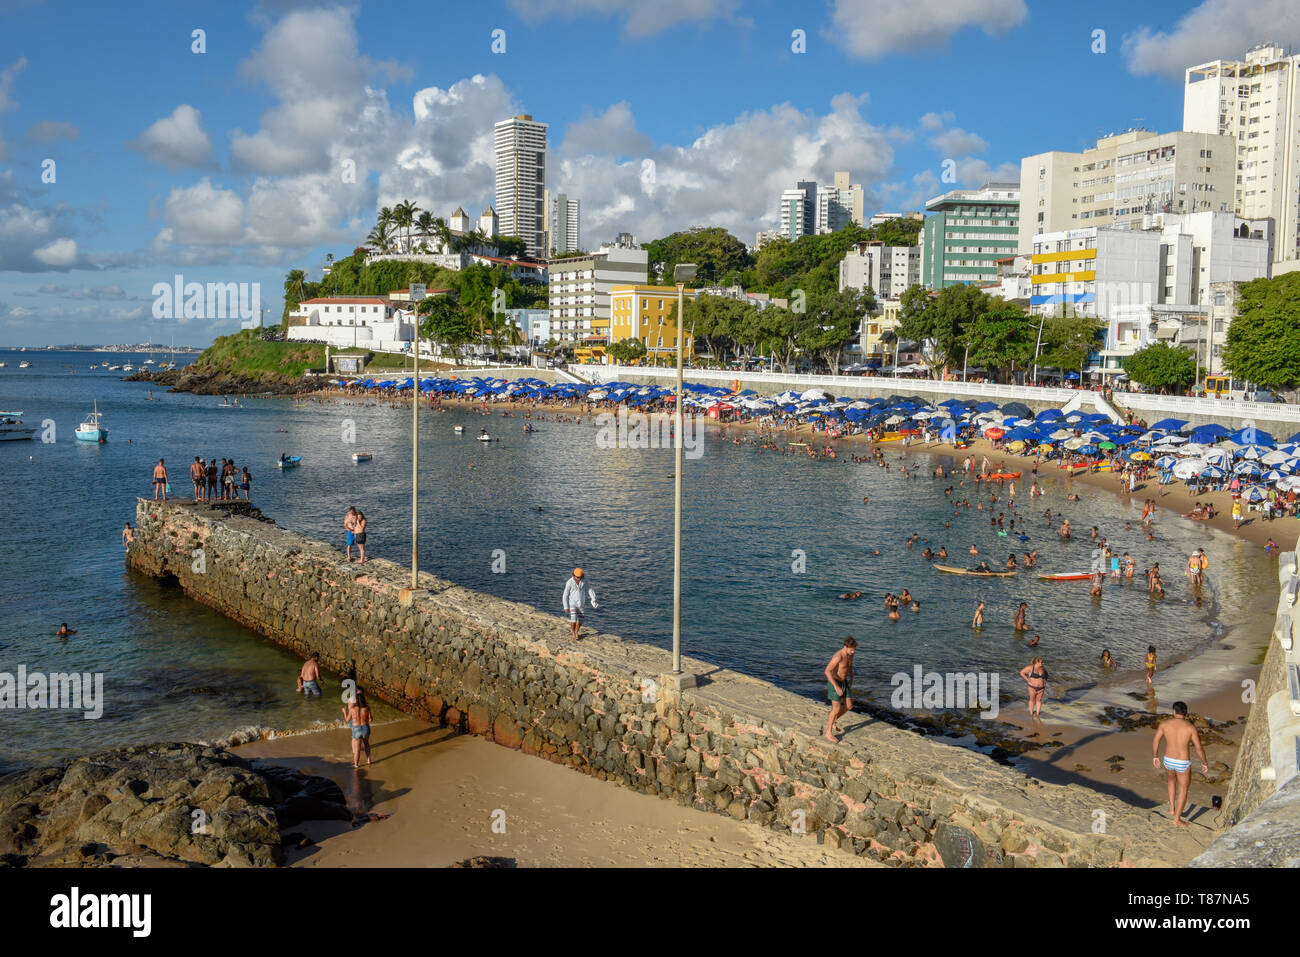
[{"x": 1073, "y": 741}]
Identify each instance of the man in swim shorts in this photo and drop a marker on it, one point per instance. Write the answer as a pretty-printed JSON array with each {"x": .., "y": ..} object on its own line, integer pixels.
[
  {"x": 839, "y": 684},
  {"x": 1179, "y": 736},
  {"x": 350, "y": 527},
  {"x": 309, "y": 676},
  {"x": 160, "y": 481}
]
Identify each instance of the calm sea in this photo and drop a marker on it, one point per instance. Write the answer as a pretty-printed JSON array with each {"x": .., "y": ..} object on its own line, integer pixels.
[{"x": 770, "y": 542}]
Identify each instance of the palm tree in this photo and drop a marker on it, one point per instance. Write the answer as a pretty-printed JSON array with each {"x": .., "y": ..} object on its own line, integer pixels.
[
  {"x": 381, "y": 238},
  {"x": 385, "y": 217},
  {"x": 424, "y": 222},
  {"x": 293, "y": 290},
  {"x": 442, "y": 233},
  {"x": 403, "y": 216}
]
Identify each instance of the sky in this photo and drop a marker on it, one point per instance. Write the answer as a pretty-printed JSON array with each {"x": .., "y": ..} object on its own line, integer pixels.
[{"x": 232, "y": 142}]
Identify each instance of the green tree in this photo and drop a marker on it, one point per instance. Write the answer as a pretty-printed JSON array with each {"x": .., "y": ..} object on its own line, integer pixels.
[
  {"x": 712, "y": 248},
  {"x": 897, "y": 232},
  {"x": 1000, "y": 338},
  {"x": 1068, "y": 340},
  {"x": 628, "y": 350},
  {"x": 1264, "y": 337},
  {"x": 1161, "y": 366},
  {"x": 444, "y": 322},
  {"x": 834, "y": 321},
  {"x": 942, "y": 322}
]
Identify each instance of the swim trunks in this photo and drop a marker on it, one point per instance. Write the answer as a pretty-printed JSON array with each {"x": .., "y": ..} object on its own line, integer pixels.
[
  {"x": 1176, "y": 765},
  {"x": 575, "y": 614},
  {"x": 310, "y": 687},
  {"x": 835, "y": 696},
  {"x": 359, "y": 538},
  {"x": 352, "y": 539}
]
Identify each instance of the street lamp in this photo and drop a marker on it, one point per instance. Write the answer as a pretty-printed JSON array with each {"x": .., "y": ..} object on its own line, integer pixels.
[
  {"x": 682, "y": 274},
  {"x": 417, "y": 291}
]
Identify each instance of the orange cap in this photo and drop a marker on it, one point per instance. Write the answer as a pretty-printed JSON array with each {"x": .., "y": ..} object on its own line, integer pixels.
[{"x": 577, "y": 573}]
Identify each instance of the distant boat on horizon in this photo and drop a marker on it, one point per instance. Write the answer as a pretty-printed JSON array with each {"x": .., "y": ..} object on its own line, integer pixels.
[{"x": 25, "y": 364}]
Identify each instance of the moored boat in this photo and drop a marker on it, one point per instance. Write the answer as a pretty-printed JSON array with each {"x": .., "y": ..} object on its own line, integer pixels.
[
  {"x": 12, "y": 428},
  {"x": 288, "y": 461},
  {"x": 361, "y": 456},
  {"x": 92, "y": 429}
]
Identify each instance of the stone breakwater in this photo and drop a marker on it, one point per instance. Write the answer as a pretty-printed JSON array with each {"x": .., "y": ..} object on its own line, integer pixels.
[{"x": 601, "y": 705}]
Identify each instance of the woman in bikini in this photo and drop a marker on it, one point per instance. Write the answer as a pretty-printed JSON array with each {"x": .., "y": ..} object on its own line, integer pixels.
[
  {"x": 357, "y": 714},
  {"x": 1018, "y": 623},
  {"x": 1035, "y": 675}
]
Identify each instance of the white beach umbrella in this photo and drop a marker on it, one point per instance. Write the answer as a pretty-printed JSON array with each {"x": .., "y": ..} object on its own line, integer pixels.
[
  {"x": 1062, "y": 434},
  {"x": 1253, "y": 451},
  {"x": 1152, "y": 436},
  {"x": 812, "y": 394},
  {"x": 1191, "y": 448},
  {"x": 1228, "y": 445},
  {"x": 1290, "y": 483},
  {"x": 1218, "y": 457},
  {"x": 1276, "y": 457},
  {"x": 1169, "y": 440},
  {"x": 1189, "y": 468},
  {"x": 1075, "y": 443}
]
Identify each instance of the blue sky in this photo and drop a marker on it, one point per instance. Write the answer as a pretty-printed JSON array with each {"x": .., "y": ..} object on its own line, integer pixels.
[{"x": 227, "y": 165}]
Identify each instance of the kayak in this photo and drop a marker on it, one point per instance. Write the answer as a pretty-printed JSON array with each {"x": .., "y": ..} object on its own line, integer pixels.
[
  {"x": 1067, "y": 577},
  {"x": 968, "y": 571},
  {"x": 362, "y": 456},
  {"x": 458, "y": 429},
  {"x": 1001, "y": 476},
  {"x": 290, "y": 463}
]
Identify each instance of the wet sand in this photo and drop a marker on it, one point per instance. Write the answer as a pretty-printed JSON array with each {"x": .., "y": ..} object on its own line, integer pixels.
[{"x": 451, "y": 797}]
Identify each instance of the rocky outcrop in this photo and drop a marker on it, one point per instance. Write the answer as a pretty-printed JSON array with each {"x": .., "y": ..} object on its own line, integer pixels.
[
  {"x": 211, "y": 380},
  {"x": 160, "y": 804}
]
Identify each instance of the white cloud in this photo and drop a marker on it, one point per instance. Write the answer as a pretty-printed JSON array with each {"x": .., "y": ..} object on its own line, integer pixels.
[
  {"x": 872, "y": 29},
  {"x": 176, "y": 141},
  {"x": 7, "y": 78},
  {"x": 59, "y": 254},
  {"x": 613, "y": 131},
  {"x": 1215, "y": 29},
  {"x": 203, "y": 215},
  {"x": 958, "y": 142},
  {"x": 937, "y": 121},
  {"x": 310, "y": 61},
  {"x": 47, "y": 131},
  {"x": 640, "y": 18},
  {"x": 973, "y": 172}
]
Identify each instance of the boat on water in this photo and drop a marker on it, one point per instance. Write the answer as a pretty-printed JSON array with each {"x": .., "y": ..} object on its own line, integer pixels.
[
  {"x": 362, "y": 456},
  {"x": 92, "y": 429},
  {"x": 3, "y": 364},
  {"x": 114, "y": 368},
  {"x": 147, "y": 362},
  {"x": 1067, "y": 577},
  {"x": 128, "y": 368},
  {"x": 12, "y": 428},
  {"x": 458, "y": 429},
  {"x": 483, "y": 437},
  {"x": 288, "y": 461},
  {"x": 227, "y": 404},
  {"x": 971, "y": 571},
  {"x": 25, "y": 364}
]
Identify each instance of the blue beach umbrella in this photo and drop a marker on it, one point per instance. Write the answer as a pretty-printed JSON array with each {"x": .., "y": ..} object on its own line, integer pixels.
[
  {"x": 1213, "y": 472},
  {"x": 1166, "y": 461},
  {"x": 1254, "y": 493},
  {"x": 1170, "y": 425}
]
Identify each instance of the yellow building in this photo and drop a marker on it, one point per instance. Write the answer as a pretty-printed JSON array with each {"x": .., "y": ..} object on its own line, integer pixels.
[{"x": 648, "y": 313}]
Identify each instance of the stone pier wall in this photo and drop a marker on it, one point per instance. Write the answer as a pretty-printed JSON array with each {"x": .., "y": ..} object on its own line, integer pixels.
[{"x": 733, "y": 745}]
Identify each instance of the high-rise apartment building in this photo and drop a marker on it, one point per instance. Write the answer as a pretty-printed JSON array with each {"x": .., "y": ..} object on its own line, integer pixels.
[
  {"x": 889, "y": 271},
  {"x": 809, "y": 209},
  {"x": 579, "y": 292},
  {"x": 966, "y": 232},
  {"x": 564, "y": 233},
  {"x": 520, "y": 146},
  {"x": 1255, "y": 101},
  {"x": 1125, "y": 177}
]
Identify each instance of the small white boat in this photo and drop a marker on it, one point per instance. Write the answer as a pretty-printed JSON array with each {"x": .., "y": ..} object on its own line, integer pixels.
[
  {"x": 484, "y": 437},
  {"x": 114, "y": 368},
  {"x": 458, "y": 429},
  {"x": 3, "y": 364},
  {"x": 24, "y": 364},
  {"x": 361, "y": 456},
  {"x": 148, "y": 362},
  {"x": 92, "y": 430},
  {"x": 128, "y": 368}
]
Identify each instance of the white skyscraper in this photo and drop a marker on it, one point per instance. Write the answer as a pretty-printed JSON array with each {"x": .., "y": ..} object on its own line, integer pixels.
[
  {"x": 520, "y": 146},
  {"x": 1257, "y": 102},
  {"x": 565, "y": 232},
  {"x": 809, "y": 209}
]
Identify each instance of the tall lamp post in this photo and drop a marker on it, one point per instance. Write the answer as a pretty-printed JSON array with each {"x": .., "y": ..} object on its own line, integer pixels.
[
  {"x": 682, "y": 274},
  {"x": 416, "y": 291}
]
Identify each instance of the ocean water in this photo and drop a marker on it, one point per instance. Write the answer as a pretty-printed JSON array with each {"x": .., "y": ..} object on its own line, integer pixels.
[{"x": 770, "y": 542}]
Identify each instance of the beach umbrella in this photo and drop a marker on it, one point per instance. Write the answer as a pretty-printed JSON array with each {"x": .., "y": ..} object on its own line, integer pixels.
[
  {"x": 1016, "y": 446},
  {"x": 1247, "y": 467},
  {"x": 1253, "y": 436},
  {"x": 1275, "y": 457},
  {"x": 1086, "y": 449},
  {"x": 1219, "y": 457},
  {"x": 1045, "y": 449},
  {"x": 1212, "y": 472},
  {"x": 1106, "y": 446},
  {"x": 1018, "y": 409},
  {"x": 1166, "y": 462},
  {"x": 1191, "y": 448},
  {"x": 1290, "y": 483},
  {"x": 1171, "y": 425},
  {"x": 1188, "y": 468},
  {"x": 1075, "y": 443},
  {"x": 1254, "y": 493},
  {"x": 1252, "y": 451},
  {"x": 1273, "y": 475},
  {"x": 1172, "y": 440},
  {"x": 1062, "y": 434},
  {"x": 1139, "y": 456},
  {"x": 994, "y": 432}
]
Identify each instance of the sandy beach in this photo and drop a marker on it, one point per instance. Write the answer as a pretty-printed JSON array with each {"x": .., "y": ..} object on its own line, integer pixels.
[
  {"x": 1077, "y": 740},
  {"x": 450, "y": 797}
]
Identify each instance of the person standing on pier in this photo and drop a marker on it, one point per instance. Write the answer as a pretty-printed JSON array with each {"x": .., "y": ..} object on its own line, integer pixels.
[
  {"x": 160, "y": 481},
  {"x": 576, "y": 594},
  {"x": 350, "y": 526},
  {"x": 839, "y": 685}
]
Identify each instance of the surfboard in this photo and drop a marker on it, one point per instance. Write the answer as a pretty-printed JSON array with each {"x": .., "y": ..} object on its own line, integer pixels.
[
  {"x": 1067, "y": 577},
  {"x": 966, "y": 571}
]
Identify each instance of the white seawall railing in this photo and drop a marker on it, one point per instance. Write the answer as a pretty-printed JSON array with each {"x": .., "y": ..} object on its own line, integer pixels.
[{"x": 1148, "y": 406}]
